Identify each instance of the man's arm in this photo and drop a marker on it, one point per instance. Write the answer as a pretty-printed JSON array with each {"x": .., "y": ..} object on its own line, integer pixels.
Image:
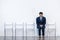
[
  {"x": 36, "y": 21},
  {"x": 44, "y": 20}
]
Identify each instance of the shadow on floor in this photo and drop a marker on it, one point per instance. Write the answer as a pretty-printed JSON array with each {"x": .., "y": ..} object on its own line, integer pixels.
[{"x": 29, "y": 38}]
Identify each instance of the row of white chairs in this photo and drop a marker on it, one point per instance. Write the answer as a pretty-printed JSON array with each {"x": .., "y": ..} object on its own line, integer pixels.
[{"x": 25, "y": 29}]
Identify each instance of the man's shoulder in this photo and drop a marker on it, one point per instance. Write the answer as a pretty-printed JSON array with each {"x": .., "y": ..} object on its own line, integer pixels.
[
  {"x": 37, "y": 17},
  {"x": 44, "y": 17}
]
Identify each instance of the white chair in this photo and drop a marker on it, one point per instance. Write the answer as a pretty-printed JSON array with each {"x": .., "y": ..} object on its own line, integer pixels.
[
  {"x": 19, "y": 31},
  {"x": 8, "y": 31}
]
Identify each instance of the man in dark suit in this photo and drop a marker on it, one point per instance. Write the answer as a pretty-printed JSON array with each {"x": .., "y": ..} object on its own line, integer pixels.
[{"x": 41, "y": 21}]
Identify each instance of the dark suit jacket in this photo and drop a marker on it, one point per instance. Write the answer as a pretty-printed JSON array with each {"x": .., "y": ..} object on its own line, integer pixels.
[{"x": 39, "y": 22}]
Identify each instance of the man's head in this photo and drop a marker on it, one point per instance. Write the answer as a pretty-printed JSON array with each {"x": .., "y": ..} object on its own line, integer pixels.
[{"x": 40, "y": 14}]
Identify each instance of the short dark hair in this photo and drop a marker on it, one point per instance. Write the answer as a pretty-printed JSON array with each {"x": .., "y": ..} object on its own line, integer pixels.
[{"x": 40, "y": 12}]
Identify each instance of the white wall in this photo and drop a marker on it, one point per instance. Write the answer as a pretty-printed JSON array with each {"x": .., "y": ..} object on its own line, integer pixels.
[{"x": 27, "y": 11}]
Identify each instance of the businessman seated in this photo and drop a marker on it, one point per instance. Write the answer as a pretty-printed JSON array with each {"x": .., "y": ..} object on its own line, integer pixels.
[{"x": 41, "y": 21}]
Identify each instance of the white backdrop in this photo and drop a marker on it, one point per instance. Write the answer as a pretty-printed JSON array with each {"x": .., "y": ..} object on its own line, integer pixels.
[{"x": 27, "y": 10}]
